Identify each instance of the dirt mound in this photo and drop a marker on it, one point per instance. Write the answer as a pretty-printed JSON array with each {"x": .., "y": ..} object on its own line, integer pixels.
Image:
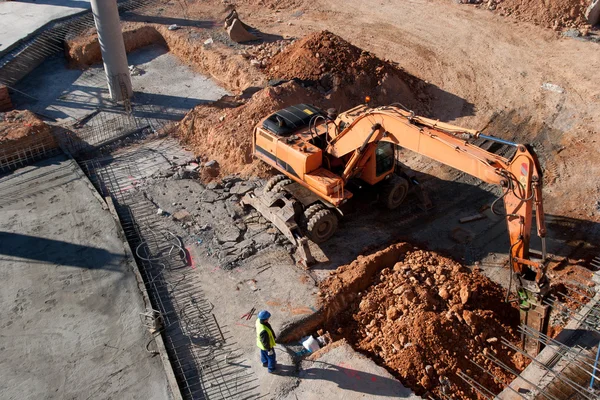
[
  {"x": 425, "y": 317},
  {"x": 344, "y": 72},
  {"x": 19, "y": 124},
  {"x": 554, "y": 14},
  {"x": 225, "y": 134}
]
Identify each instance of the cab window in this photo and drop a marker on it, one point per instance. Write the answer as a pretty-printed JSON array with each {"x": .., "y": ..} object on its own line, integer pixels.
[{"x": 384, "y": 155}]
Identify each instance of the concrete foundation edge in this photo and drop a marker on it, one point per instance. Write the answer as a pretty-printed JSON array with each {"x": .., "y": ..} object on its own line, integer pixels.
[
  {"x": 160, "y": 345},
  {"x": 107, "y": 203}
]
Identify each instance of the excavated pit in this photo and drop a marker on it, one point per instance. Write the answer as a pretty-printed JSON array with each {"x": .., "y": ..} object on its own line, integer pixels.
[{"x": 421, "y": 315}]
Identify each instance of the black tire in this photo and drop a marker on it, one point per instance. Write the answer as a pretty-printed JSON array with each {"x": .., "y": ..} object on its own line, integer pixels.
[
  {"x": 272, "y": 182},
  {"x": 278, "y": 187},
  {"x": 321, "y": 226},
  {"x": 310, "y": 211},
  {"x": 394, "y": 192}
]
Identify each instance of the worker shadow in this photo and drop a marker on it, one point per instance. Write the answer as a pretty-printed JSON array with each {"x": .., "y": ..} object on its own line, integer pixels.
[
  {"x": 40, "y": 250},
  {"x": 356, "y": 381}
]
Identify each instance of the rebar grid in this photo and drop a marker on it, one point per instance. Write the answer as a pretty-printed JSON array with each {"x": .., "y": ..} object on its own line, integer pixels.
[
  {"x": 202, "y": 360},
  {"x": 569, "y": 380}
]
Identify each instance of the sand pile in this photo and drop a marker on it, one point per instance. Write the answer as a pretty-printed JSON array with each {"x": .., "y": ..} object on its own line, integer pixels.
[
  {"x": 425, "y": 317},
  {"x": 345, "y": 73},
  {"x": 554, "y": 14}
]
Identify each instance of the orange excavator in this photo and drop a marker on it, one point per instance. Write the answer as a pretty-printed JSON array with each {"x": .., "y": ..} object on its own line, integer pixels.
[{"x": 318, "y": 153}]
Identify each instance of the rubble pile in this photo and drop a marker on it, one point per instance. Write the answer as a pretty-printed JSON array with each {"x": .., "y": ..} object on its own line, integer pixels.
[
  {"x": 556, "y": 14},
  {"x": 19, "y": 124},
  {"x": 212, "y": 215},
  {"x": 425, "y": 318},
  {"x": 260, "y": 54}
]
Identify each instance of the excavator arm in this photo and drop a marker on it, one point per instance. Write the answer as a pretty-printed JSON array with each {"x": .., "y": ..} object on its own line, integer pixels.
[{"x": 355, "y": 132}]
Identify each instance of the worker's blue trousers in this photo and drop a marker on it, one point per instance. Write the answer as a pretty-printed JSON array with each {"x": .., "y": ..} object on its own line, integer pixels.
[{"x": 269, "y": 360}]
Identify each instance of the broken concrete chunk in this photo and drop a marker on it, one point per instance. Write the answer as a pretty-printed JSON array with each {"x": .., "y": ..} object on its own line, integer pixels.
[
  {"x": 227, "y": 233},
  {"x": 182, "y": 216},
  {"x": 214, "y": 185}
]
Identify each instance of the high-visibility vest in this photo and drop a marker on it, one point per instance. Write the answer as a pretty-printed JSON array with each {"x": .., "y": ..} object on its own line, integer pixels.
[{"x": 259, "y": 328}]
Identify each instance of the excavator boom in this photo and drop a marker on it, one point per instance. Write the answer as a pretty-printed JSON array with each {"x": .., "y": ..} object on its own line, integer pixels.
[
  {"x": 318, "y": 154},
  {"x": 519, "y": 178}
]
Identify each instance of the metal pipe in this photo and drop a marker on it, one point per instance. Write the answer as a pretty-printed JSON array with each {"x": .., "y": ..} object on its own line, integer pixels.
[
  {"x": 498, "y": 140},
  {"x": 114, "y": 57}
]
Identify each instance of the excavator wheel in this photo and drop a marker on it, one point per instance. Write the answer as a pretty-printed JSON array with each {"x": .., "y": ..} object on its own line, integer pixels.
[
  {"x": 310, "y": 211},
  {"x": 278, "y": 187},
  {"x": 394, "y": 192},
  {"x": 272, "y": 182},
  {"x": 321, "y": 226}
]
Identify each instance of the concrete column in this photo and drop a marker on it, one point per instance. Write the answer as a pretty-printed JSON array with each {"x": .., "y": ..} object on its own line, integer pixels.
[{"x": 110, "y": 36}]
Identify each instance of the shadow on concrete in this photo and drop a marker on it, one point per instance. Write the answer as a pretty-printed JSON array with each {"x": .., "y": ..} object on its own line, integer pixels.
[
  {"x": 155, "y": 19},
  {"x": 51, "y": 251},
  {"x": 357, "y": 381},
  {"x": 368, "y": 226},
  {"x": 59, "y": 3}
]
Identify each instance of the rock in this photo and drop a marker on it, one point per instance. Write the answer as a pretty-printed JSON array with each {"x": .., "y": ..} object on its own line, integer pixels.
[
  {"x": 443, "y": 293},
  {"x": 426, "y": 382},
  {"x": 208, "y": 196},
  {"x": 173, "y": 27},
  {"x": 469, "y": 318},
  {"x": 492, "y": 340},
  {"x": 241, "y": 188},
  {"x": 465, "y": 293},
  {"x": 160, "y": 211},
  {"x": 211, "y": 163},
  {"x": 402, "y": 339},
  {"x": 392, "y": 313},
  {"x": 227, "y": 233},
  {"x": 214, "y": 186},
  {"x": 264, "y": 239},
  {"x": 192, "y": 167},
  {"x": 429, "y": 370},
  {"x": 182, "y": 216},
  {"x": 209, "y": 41}
]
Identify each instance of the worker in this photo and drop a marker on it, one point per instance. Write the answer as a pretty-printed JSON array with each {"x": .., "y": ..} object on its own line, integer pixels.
[{"x": 265, "y": 340}]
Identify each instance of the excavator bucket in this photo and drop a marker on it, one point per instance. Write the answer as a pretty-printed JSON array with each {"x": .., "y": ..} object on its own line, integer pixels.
[
  {"x": 279, "y": 210},
  {"x": 237, "y": 30}
]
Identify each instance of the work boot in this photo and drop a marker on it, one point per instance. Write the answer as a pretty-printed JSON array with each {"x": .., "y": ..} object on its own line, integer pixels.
[{"x": 265, "y": 365}]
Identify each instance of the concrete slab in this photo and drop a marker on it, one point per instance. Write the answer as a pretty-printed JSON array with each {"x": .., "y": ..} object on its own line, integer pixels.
[
  {"x": 343, "y": 369},
  {"x": 20, "y": 19},
  {"x": 69, "y": 298},
  {"x": 165, "y": 89}
]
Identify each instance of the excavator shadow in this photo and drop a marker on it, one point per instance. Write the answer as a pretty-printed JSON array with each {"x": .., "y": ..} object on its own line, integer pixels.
[{"x": 368, "y": 226}]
